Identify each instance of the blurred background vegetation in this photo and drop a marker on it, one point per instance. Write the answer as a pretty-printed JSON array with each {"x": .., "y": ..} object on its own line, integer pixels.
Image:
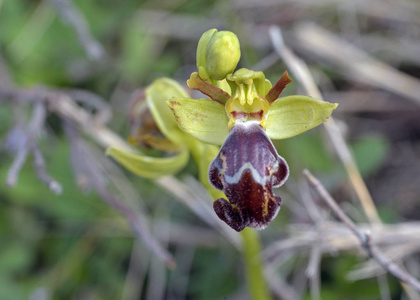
[{"x": 74, "y": 246}]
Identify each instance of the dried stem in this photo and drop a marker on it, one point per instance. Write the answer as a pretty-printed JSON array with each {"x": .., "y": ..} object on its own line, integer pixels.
[
  {"x": 354, "y": 63},
  {"x": 103, "y": 112},
  {"x": 18, "y": 162},
  {"x": 30, "y": 146},
  {"x": 91, "y": 170},
  {"x": 278, "y": 285},
  {"x": 364, "y": 237},
  {"x": 40, "y": 169},
  {"x": 137, "y": 226}
]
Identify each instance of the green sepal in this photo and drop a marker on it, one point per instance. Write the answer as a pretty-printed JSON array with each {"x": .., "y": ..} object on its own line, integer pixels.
[
  {"x": 160, "y": 91},
  {"x": 204, "y": 119},
  {"x": 148, "y": 166},
  {"x": 292, "y": 115}
]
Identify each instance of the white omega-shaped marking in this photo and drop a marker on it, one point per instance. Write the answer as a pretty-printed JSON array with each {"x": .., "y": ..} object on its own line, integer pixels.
[{"x": 261, "y": 180}]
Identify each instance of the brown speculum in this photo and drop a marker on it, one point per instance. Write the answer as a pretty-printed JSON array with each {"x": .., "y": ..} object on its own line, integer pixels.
[{"x": 246, "y": 169}]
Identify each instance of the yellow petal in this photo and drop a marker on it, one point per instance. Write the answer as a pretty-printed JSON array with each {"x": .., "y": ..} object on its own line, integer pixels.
[
  {"x": 160, "y": 91},
  {"x": 292, "y": 115},
  {"x": 204, "y": 119},
  {"x": 147, "y": 166}
]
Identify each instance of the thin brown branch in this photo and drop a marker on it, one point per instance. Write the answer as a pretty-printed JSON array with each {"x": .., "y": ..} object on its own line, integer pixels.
[{"x": 364, "y": 237}]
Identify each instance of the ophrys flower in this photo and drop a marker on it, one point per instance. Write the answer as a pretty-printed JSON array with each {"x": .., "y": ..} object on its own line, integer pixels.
[{"x": 243, "y": 113}]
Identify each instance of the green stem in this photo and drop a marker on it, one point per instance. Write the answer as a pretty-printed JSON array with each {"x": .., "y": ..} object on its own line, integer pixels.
[
  {"x": 203, "y": 154},
  {"x": 256, "y": 283}
]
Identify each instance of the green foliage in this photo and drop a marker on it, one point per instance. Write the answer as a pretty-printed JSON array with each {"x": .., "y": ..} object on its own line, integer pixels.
[
  {"x": 223, "y": 279},
  {"x": 308, "y": 150},
  {"x": 336, "y": 286},
  {"x": 72, "y": 244},
  {"x": 369, "y": 152}
]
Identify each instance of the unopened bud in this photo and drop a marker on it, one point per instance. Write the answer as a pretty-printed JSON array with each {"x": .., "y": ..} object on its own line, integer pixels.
[{"x": 218, "y": 54}]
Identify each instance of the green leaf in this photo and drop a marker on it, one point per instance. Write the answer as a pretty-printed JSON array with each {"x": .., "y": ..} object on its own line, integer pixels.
[
  {"x": 147, "y": 166},
  {"x": 204, "y": 119},
  {"x": 14, "y": 257},
  {"x": 10, "y": 289},
  {"x": 309, "y": 151},
  {"x": 157, "y": 94},
  {"x": 292, "y": 115}
]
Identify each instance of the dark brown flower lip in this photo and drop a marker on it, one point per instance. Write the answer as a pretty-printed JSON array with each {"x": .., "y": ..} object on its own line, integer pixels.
[{"x": 246, "y": 169}]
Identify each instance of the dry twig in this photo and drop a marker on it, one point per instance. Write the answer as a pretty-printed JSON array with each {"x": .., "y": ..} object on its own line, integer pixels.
[
  {"x": 364, "y": 237},
  {"x": 98, "y": 181},
  {"x": 40, "y": 169},
  {"x": 30, "y": 146},
  {"x": 354, "y": 63}
]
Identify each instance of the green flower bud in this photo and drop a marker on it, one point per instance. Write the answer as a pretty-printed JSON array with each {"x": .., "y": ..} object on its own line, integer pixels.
[
  {"x": 218, "y": 53},
  {"x": 202, "y": 54},
  {"x": 223, "y": 54}
]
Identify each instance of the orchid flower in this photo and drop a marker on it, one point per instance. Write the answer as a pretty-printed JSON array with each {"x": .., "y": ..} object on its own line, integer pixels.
[{"x": 242, "y": 113}]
